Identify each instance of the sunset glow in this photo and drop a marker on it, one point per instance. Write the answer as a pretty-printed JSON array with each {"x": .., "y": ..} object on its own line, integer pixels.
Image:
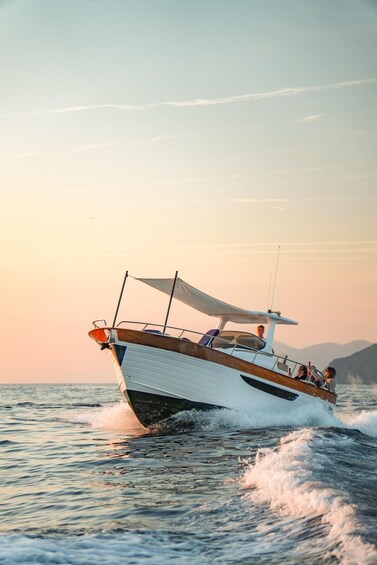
[{"x": 157, "y": 136}]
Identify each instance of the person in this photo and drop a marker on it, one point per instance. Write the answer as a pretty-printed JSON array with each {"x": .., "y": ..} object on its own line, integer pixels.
[
  {"x": 316, "y": 376},
  {"x": 302, "y": 373},
  {"x": 260, "y": 332},
  {"x": 330, "y": 374}
]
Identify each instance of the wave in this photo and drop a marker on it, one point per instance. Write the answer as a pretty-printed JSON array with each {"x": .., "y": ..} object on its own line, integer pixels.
[
  {"x": 229, "y": 419},
  {"x": 107, "y": 549},
  {"x": 285, "y": 479},
  {"x": 365, "y": 421},
  {"x": 116, "y": 417},
  {"x": 304, "y": 417},
  {"x": 119, "y": 416}
]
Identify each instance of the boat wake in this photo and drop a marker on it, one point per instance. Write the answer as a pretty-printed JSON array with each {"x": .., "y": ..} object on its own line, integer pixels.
[
  {"x": 116, "y": 417},
  {"x": 230, "y": 419},
  {"x": 288, "y": 480},
  {"x": 306, "y": 483},
  {"x": 108, "y": 548},
  {"x": 120, "y": 417},
  {"x": 365, "y": 421}
]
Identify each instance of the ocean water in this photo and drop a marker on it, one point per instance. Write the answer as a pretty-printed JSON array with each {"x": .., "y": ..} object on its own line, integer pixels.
[{"x": 83, "y": 483}]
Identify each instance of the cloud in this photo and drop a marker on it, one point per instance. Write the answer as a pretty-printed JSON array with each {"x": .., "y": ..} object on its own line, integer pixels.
[
  {"x": 337, "y": 198},
  {"x": 278, "y": 203},
  {"x": 52, "y": 192},
  {"x": 332, "y": 249},
  {"x": 68, "y": 151},
  {"x": 161, "y": 138},
  {"x": 120, "y": 187},
  {"x": 254, "y": 200},
  {"x": 128, "y": 107},
  {"x": 191, "y": 180},
  {"x": 40, "y": 154},
  {"x": 292, "y": 91},
  {"x": 93, "y": 146},
  {"x": 203, "y": 102},
  {"x": 313, "y": 118},
  {"x": 300, "y": 170},
  {"x": 268, "y": 202}
]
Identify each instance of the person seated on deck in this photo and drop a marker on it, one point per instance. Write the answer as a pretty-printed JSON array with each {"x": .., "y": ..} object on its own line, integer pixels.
[
  {"x": 315, "y": 376},
  {"x": 302, "y": 373},
  {"x": 330, "y": 375}
]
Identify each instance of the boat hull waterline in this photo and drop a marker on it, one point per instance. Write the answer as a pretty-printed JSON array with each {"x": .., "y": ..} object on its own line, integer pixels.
[{"x": 160, "y": 376}]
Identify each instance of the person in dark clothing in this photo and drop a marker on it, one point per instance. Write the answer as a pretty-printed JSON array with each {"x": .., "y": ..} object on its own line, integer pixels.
[{"x": 302, "y": 374}]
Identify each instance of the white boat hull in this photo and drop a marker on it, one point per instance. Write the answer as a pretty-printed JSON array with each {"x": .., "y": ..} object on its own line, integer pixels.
[{"x": 159, "y": 383}]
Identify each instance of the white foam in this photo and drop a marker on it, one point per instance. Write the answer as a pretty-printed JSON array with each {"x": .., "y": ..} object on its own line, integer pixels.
[
  {"x": 283, "y": 479},
  {"x": 88, "y": 549},
  {"x": 116, "y": 417},
  {"x": 119, "y": 416},
  {"x": 302, "y": 417},
  {"x": 366, "y": 422},
  {"x": 312, "y": 415}
]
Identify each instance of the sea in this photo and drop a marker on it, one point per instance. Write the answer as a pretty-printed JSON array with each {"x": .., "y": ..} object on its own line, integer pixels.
[{"x": 83, "y": 483}]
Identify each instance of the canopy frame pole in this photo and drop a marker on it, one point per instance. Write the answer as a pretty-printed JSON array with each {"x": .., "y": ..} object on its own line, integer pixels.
[
  {"x": 120, "y": 298},
  {"x": 170, "y": 301}
]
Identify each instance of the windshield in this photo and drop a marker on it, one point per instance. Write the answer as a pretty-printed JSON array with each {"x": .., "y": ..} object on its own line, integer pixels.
[{"x": 229, "y": 338}]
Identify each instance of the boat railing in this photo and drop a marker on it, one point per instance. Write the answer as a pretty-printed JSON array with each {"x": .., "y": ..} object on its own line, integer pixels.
[
  {"x": 95, "y": 324},
  {"x": 281, "y": 363},
  {"x": 180, "y": 333}
]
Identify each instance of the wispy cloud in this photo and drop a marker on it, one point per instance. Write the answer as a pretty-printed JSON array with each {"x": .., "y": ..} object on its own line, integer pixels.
[
  {"x": 193, "y": 180},
  {"x": 121, "y": 187},
  {"x": 313, "y": 118},
  {"x": 338, "y": 198},
  {"x": 297, "y": 244},
  {"x": 200, "y": 102},
  {"x": 334, "y": 248},
  {"x": 52, "y": 192},
  {"x": 66, "y": 152},
  {"x": 90, "y": 147},
  {"x": 300, "y": 170},
  {"x": 242, "y": 200},
  {"x": 282, "y": 203},
  {"x": 40, "y": 154},
  {"x": 275, "y": 203},
  {"x": 161, "y": 138}
]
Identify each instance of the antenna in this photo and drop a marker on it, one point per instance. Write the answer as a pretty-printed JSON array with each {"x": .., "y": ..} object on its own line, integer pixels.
[
  {"x": 276, "y": 272},
  {"x": 269, "y": 290}
]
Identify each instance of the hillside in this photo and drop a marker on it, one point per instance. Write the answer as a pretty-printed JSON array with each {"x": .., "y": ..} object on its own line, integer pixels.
[
  {"x": 359, "y": 368},
  {"x": 321, "y": 355}
]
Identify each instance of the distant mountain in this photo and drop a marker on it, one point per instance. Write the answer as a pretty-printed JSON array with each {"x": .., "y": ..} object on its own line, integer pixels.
[
  {"x": 321, "y": 355},
  {"x": 359, "y": 368}
]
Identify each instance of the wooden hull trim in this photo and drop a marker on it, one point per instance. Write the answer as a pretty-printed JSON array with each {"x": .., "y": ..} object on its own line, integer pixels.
[{"x": 192, "y": 349}]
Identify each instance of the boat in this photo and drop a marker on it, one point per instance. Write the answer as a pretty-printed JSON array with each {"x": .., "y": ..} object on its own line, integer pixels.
[{"x": 163, "y": 370}]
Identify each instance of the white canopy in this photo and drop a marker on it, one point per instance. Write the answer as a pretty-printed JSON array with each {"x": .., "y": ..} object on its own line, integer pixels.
[{"x": 202, "y": 302}]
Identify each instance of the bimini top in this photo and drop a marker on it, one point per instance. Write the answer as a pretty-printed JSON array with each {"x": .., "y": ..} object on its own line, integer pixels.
[{"x": 206, "y": 304}]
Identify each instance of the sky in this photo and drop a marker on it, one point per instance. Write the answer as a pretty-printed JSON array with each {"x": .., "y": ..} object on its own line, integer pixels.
[{"x": 233, "y": 141}]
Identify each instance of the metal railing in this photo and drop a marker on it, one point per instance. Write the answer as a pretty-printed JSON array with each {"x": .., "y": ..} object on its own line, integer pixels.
[{"x": 282, "y": 364}]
